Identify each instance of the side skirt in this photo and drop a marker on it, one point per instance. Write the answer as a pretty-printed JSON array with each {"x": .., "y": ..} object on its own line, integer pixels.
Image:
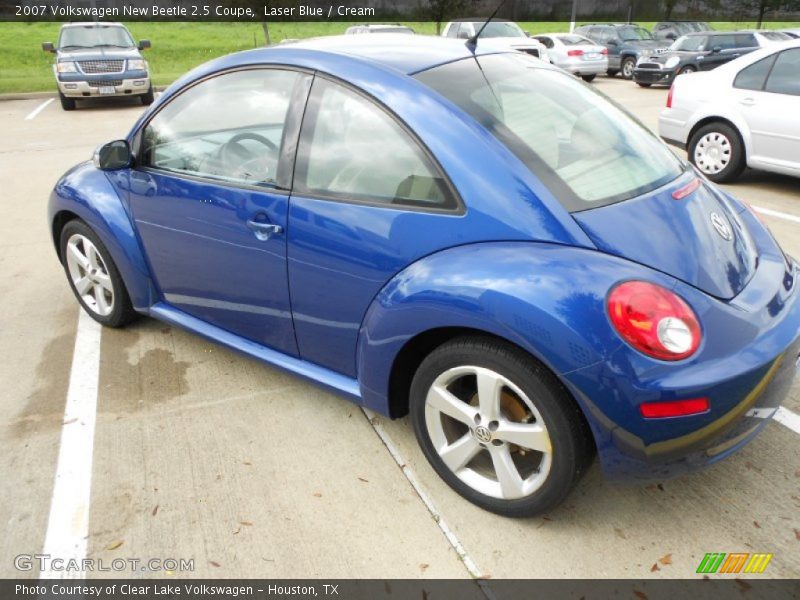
[{"x": 328, "y": 379}]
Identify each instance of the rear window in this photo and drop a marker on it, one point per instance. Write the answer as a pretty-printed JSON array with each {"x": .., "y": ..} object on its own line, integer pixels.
[
  {"x": 776, "y": 36},
  {"x": 575, "y": 40},
  {"x": 586, "y": 149}
]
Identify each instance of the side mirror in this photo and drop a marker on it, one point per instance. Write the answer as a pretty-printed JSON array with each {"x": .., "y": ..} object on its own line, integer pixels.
[
  {"x": 144, "y": 44},
  {"x": 112, "y": 156},
  {"x": 528, "y": 33},
  {"x": 48, "y": 47},
  {"x": 716, "y": 49},
  {"x": 672, "y": 36}
]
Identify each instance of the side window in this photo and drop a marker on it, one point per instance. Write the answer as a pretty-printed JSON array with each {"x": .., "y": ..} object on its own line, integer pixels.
[
  {"x": 753, "y": 77},
  {"x": 785, "y": 75},
  {"x": 351, "y": 149},
  {"x": 725, "y": 42},
  {"x": 452, "y": 30},
  {"x": 746, "y": 40},
  {"x": 229, "y": 127},
  {"x": 546, "y": 41}
]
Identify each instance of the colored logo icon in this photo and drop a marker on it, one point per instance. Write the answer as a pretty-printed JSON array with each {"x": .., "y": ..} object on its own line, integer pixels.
[{"x": 735, "y": 562}]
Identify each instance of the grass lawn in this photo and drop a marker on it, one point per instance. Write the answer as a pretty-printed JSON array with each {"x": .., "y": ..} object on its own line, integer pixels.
[{"x": 179, "y": 46}]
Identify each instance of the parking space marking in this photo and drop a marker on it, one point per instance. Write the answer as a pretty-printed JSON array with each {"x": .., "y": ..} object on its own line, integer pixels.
[
  {"x": 778, "y": 214},
  {"x": 469, "y": 563},
  {"x": 68, "y": 524},
  {"x": 38, "y": 109},
  {"x": 787, "y": 418}
]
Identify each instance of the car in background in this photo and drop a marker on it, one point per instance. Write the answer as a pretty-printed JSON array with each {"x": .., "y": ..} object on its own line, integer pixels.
[
  {"x": 99, "y": 59},
  {"x": 792, "y": 33},
  {"x": 575, "y": 53},
  {"x": 379, "y": 28},
  {"x": 744, "y": 113},
  {"x": 500, "y": 34},
  {"x": 695, "y": 52},
  {"x": 626, "y": 44},
  {"x": 672, "y": 30},
  {"x": 467, "y": 236},
  {"x": 769, "y": 36}
]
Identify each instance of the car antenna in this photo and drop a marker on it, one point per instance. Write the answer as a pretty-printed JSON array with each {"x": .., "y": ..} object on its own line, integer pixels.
[{"x": 473, "y": 41}]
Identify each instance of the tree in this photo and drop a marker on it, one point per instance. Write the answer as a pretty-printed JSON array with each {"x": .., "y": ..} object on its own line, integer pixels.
[{"x": 441, "y": 10}]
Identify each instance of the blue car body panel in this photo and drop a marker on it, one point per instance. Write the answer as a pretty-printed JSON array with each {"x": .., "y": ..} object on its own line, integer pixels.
[{"x": 347, "y": 287}]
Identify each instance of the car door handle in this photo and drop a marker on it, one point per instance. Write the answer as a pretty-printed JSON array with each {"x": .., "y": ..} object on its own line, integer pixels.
[
  {"x": 263, "y": 230},
  {"x": 747, "y": 102}
]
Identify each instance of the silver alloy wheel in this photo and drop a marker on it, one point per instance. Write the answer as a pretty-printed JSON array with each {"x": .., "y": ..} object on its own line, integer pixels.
[
  {"x": 627, "y": 69},
  {"x": 89, "y": 275},
  {"x": 713, "y": 152},
  {"x": 481, "y": 440}
]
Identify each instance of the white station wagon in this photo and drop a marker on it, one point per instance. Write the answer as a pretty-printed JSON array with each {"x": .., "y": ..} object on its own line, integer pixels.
[{"x": 744, "y": 113}]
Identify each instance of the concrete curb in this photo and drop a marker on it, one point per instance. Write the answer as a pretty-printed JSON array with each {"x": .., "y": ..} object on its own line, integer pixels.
[{"x": 36, "y": 95}]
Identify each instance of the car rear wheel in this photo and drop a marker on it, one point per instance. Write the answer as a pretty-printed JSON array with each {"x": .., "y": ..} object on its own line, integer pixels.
[
  {"x": 588, "y": 78},
  {"x": 498, "y": 427},
  {"x": 644, "y": 85},
  {"x": 717, "y": 150},
  {"x": 66, "y": 103},
  {"x": 628, "y": 65},
  {"x": 93, "y": 276}
]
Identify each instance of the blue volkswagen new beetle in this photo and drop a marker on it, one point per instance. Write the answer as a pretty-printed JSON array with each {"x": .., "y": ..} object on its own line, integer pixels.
[{"x": 473, "y": 238}]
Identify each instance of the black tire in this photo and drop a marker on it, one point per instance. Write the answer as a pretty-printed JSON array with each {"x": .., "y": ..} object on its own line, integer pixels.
[
  {"x": 688, "y": 69},
  {"x": 66, "y": 103},
  {"x": 627, "y": 67},
  {"x": 122, "y": 311},
  {"x": 572, "y": 446},
  {"x": 589, "y": 78},
  {"x": 737, "y": 160},
  {"x": 148, "y": 97},
  {"x": 612, "y": 72},
  {"x": 644, "y": 85}
]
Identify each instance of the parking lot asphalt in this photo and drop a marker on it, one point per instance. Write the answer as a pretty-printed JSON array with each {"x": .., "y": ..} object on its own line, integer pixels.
[{"x": 200, "y": 453}]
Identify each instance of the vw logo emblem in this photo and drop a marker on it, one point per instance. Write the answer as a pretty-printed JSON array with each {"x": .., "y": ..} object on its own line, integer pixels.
[
  {"x": 483, "y": 434},
  {"x": 722, "y": 227}
]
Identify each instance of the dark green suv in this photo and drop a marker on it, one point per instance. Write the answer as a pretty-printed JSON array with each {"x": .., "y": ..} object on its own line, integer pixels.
[{"x": 626, "y": 43}]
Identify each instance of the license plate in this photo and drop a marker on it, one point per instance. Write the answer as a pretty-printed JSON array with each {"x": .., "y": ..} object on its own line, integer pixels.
[
  {"x": 592, "y": 55},
  {"x": 107, "y": 89}
]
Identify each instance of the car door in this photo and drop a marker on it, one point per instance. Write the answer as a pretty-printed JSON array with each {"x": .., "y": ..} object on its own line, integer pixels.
[
  {"x": 210, "y": 195},
  {"x": 367, "y": 201},
  {"x": 768, "y": 95}
]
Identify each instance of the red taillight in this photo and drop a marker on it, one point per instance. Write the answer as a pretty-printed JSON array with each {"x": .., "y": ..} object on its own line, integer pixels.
[
  {"x": 604, "y": 51},
  {"x": 676, "y": 408},
  {"x": 574, "y": 52},
  {"x": 654, "y": 320},
  {"x": 669, "y": 96}
]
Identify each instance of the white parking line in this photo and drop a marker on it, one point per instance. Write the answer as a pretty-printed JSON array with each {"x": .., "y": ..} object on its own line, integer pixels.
[
  {"x": 469, "y": 563},
  {"x": 38, "y": 109},
  {"x": 787, "y": 418},
  {"x": 68, "y": 525},
  {"x": 778, "y": 214}
]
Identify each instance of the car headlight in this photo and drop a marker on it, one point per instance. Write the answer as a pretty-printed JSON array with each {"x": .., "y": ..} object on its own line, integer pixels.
[
  {"x": 645, "y": 53},
  {"x": 66, "y": 67},
  {"x": 137, "y": 64},
  {"x": 672, "y": 62}
]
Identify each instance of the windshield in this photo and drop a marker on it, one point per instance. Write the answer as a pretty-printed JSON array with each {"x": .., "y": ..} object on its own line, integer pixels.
[
  {"x": 93, "y": 37},
  {"x": 689, "y": 43},
  {"x": 500, "y": 29},
  {"x": 632, "y": 33},
  {"x": 776, "y": 36},
  {"x": 575, "y": 40},
  {"x": 588, "y": 151}
]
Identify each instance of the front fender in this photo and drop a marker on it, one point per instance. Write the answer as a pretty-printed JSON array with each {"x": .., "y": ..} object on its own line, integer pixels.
[
  {"x": 89, "y": 193},
  {"x": 546, "y": 298}
]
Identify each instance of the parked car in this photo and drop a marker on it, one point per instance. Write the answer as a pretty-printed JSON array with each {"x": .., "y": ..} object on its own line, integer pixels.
[
  {"x": 792, "y": 33},
  {"x": 379, "y": 28},
  {"x": 672, "y": 30},
  {"x": 769, "y": 36},
  {"x": 695, "y": 52},
  {"x": 502, "y": 35},
  {"x": 626, "y": 43},
  {"x": 575, "y": 53},
  {"x": 745, "y": 113},
  {"x": 469, "y": 236},
  {"x": 99, "y": 59}
]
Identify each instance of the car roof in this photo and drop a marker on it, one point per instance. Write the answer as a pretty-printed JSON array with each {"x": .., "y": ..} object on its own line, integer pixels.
[
  {"x": 754, "y": 56},
  {"x": 91, "y": 24},
  {"x": 407, "y": 54},
  {"x": 479, "y": 20}
]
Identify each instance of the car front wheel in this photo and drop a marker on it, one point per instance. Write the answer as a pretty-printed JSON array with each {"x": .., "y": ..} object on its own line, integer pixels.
[
  {"x": 717, "y": 150},
  {"x": 628, "y": 64},
  {"x": 148, "y": 97},
  {"x": 66, "y": 103},
  {"x": 93, "y": 276},
  {"x": 498, "y": 427},
  {"x": 588, "y": 78}
]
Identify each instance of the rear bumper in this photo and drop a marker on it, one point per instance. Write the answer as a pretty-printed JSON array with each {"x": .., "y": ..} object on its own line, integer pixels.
[
  {"x": 584, "y": 67},
  {"x": 746, "y": 378},
  {"x": 654, "y": 76},
  {"x": 671, "y": 129}
]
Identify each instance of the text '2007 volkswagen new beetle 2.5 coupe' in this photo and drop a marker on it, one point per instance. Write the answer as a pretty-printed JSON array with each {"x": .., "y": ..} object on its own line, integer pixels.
[{"x": 433, "y": 228}]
